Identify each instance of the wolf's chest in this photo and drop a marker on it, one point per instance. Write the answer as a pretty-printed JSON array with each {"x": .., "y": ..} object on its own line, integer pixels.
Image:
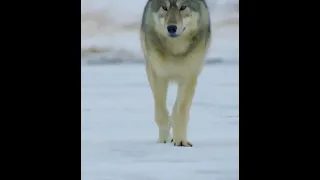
[
  {"x": 176, "y": 47},
  {"x": 176, "y": 68}
]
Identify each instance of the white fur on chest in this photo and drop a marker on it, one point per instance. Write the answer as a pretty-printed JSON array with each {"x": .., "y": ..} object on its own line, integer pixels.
[
  {"x": 175, "y": 69},
  {"x": 177, "y": 45}
]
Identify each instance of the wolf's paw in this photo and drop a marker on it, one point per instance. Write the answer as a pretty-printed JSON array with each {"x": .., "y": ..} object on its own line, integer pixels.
[
  {"x": 164, "y": 138},
  {"x": 162, "y": 141},
  {"x": 181, "y": 143}
]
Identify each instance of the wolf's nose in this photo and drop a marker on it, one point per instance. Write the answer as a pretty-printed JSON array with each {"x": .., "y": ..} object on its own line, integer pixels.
[{"x": 172, "y": 29}]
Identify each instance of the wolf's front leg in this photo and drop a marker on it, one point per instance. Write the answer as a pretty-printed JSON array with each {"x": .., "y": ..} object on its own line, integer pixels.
[
  {"x": 159, "y": 88},
  {"x": 181, "y": 110},
  {"x": 161, "y": 113}
]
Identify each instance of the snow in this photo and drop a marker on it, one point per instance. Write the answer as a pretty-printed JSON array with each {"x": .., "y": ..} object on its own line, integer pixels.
[
  {"x": 119, "y": 134},
  {"x": 111, "y": 28}
]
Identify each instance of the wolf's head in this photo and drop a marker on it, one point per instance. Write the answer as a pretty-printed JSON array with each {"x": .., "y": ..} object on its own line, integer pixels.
[{"x": 173, "y": 18}]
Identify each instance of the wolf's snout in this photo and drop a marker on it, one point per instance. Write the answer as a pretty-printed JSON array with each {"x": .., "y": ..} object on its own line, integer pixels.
[{"x": 172, "y": 29}]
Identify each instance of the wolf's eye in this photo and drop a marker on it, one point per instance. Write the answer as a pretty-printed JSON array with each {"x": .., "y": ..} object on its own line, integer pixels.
[
  {"x": 164, "y": 8},
  {"x": 183, "y": 8}
]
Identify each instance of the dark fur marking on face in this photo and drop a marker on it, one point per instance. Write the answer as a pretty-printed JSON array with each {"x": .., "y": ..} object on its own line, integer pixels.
[
  {"x": 173, "y": 1},
  {"x": 194, "y": 5},
  {"x": 157, "y": 4}
]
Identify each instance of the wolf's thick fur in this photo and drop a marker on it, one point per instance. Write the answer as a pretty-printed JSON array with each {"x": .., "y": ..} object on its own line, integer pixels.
[{"x": 177, "y": 57}]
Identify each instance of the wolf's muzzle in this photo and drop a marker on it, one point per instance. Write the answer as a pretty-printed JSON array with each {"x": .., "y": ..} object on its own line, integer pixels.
[{"x": 172, "y": 29}]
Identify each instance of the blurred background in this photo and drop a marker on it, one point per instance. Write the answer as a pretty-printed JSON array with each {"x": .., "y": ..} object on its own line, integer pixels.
[{"x": 110, "y": 31}]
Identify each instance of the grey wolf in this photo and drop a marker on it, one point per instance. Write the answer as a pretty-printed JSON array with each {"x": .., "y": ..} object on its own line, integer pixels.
[{"x": 175, "y": 36}]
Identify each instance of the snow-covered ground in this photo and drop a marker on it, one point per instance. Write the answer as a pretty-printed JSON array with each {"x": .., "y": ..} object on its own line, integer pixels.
[
  {"x": 109, "y": 30},
  {"x": 119, "y": 133}
]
